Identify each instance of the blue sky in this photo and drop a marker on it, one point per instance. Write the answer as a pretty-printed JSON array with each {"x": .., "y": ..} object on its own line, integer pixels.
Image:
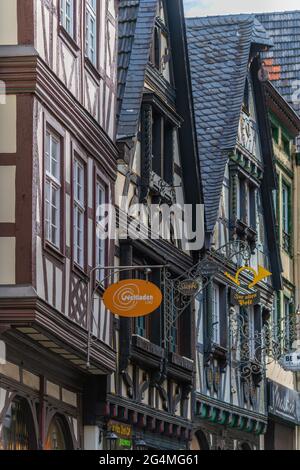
[{"x": 221, "y": 7}]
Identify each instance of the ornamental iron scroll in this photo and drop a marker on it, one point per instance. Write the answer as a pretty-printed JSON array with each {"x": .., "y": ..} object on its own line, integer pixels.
[
  {"x": 176, "y": 302},
  {"x": 252, "y": 352}
]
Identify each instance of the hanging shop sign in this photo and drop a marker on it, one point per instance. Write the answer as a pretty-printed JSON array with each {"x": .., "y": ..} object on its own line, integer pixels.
[
  {"x": 132, "y": 298},
  {"x": 246, "y": 300},
  {"x": 291, "y": 362},
  {"x": 123, "y": 433},
  {"x": 189, "y": 287},
  {"x": 250, "y": 296},
  {"x": 284, "y": 402}
]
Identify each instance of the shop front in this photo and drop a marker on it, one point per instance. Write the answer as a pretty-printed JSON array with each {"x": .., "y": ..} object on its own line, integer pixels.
[
  {"x": 284, "y": 417},
  {"x": 122, "y": 436},
  {"x": 39, "y": 407}
]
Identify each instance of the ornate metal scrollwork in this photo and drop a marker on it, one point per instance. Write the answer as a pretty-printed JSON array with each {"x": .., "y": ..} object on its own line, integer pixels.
[{"x": 251, "y": 353}]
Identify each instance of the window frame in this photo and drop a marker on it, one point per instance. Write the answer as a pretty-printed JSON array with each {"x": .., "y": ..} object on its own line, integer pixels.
[
  {"x": 105, "y": 187},
  {"x": 286, "y": 141},
  {"x": 62, "y": 17},
  {"x": 89, "y": 12},
  {"x": 163, "y": 136},
  {"x": 77, "y": 156},
  {"x": 50, "y": 125}
]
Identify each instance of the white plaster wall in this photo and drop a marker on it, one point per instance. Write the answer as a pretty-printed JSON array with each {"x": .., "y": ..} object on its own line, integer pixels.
[
  {"x": 8, "y": 260},
  {"x": 7, "y": 194},
  {"x": 8, "y": 124},
  {"x": 8, "y": 22}
]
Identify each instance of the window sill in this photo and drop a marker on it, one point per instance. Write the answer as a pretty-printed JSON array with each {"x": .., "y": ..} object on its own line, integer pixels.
[
  {"x": 68, "y": 40},
  {"x": 80, "y": 272},
  {"x": 92, "y": 69},
  {"x": 53, "y": 251},
  {"x": 220, "y": 354}
]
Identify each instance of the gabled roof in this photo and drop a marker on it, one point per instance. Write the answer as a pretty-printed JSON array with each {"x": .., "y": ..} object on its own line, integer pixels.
[
  {"x": 219, "y": 50},
  {"x": 283, "y": 59},
  {"x": 136, "y": 24}
]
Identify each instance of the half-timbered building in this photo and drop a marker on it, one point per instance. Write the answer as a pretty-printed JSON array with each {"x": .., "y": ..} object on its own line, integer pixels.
[
  {"x": 285, "y": 126},
  {"x": 57, "y": 162},
  {"x": 151, "y": 389},
  {"x": 238, "y": 175}
]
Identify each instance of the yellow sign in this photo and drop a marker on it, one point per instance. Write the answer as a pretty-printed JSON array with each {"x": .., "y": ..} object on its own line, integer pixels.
[
  {"x": 121, "y": 430},
  {"x": 246, "y": 300},
  {"x": 132, "y": 298},
  {"x": 258, "y": 276}
]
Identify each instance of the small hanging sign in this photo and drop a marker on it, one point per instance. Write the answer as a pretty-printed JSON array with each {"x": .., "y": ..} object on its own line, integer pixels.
[
  {"x": 291, "y": 362},
  {"x": 189, "y": 287}
]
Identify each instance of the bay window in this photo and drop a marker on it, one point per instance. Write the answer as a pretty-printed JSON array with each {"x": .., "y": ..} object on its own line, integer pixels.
[
  {"x": 53, "y": 189},
  {"x": 79, "y": 213},
  {"x": 67, "y": 16},
  {"x": 91, "y": 31}
]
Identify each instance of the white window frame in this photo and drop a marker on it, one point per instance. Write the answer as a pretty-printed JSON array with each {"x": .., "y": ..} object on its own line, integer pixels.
[
  {"x": 79, "y": 212},
  {"x": 67, "y": 15},
  {"x": 91, "y": 48},
  {"x": 53, "y": 189},
  {"x": 216, "y": 336},
  {"x": 101, "y": 244}
]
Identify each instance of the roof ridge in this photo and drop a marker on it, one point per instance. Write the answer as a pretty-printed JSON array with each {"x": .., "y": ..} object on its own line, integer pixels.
[{"x": 238, "y": 18}]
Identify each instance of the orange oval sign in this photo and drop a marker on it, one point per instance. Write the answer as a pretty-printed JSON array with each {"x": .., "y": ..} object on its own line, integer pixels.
[{"x": 132, "y": 298}]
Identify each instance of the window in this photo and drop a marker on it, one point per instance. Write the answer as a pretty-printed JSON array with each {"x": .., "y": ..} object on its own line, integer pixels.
[
  {"x": 216, "y": 314},
  {"x": 53, "y": 189},
  {"x": 286, "y": 144},
  {"x": 163, "y": 148},
  {"x": 91, "y": 30},
  {"x": 79, "y": 212},
  {"x": 246, "y": 202},
  {"x": 141, "y": 327},
  {"x": 17, "y": 427},
  {"x": 246, "y": 96},
  {"x": 59, "y": 436},
  {"x": 101, "y": 243},
  {"x": 286, "y": 215},
  {"x": 142, "y": 324},
  {"x": 275, "y": 133},
  {"x": 67, "y": 15}
]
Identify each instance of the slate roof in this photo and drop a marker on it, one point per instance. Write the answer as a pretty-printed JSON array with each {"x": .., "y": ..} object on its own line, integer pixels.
[
  {"x": 136, "y": 24},
  {"x": 284, "y": 58},
  {"x": 219, "y": 49}
]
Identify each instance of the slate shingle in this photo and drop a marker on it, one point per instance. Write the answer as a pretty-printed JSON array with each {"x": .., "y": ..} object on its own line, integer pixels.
[
  {"x": 219, "y": 49},
  {"x": 284, "y": 28},
  {"x": 136, "y": 24}
]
